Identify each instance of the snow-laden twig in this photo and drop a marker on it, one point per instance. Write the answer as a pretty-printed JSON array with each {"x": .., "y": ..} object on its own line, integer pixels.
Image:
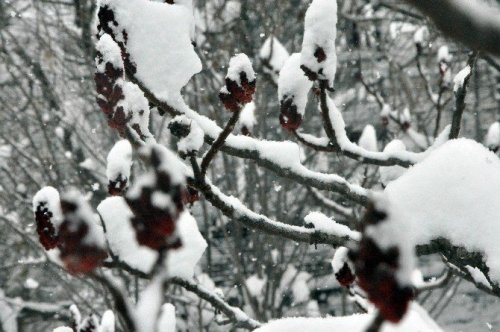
[{"x": 460, "y": 90}]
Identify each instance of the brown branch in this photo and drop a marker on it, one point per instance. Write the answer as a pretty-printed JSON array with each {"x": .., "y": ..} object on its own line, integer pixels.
[
  {"x": 219, "y": 142},
  {"x": 460, "y": 95}
]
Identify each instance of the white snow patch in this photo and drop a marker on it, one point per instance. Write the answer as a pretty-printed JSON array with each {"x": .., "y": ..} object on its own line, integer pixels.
[
  {"x": 119, "y": 161},
  {"x": 320, "y": 30},
  {"x": 293, "y": 83}
]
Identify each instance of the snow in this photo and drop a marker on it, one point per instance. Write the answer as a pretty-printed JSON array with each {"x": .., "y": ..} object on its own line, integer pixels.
[
  {"x": 460, "y": 78},
  {"x": 247, "y": 116},
  {"x": 149, "y": 306},
  {"x": 240, "y": 63},
  {"x": 31, "y": 283},
  {"x": 325, "y": 224},
  {"x": 292, "y": 83},
  {"x": 116, "y": 216},
  {"x": 49, "y": 197},
  {"x": 122, "y": 241},
  {"x": 417, "y": 320},
  {"x": 346, "y": 145},
  {"x": 107, "y": 322},
  {"x": 421, "y": 35},
  {"x": 368, "y": 139},
  {"x": 478, "y": 276},
  {"x": 166, "y": 322},
  {"x": 444, "y": 54},
  {"x": 194, "y": 140},
  {"x": 182, "y": 261},
  {"x": 390, "y": 173},
  {"x": 137, "y": 107},
  {"x": 320, "y": 32},
  {"x": 119, "y": 161},
  {"x": 110, "y": 51},
  {"x": 273, "y": 53},
  {"x": 255, "y": 285},
  {"x": 63, "y": 329},
  {"x": 340, "y": 258},
  {"x": 493, "y": 136},
  {"x": 84, "y": 213},
  {"x": 159, "y": 43},
  {"x": 454, "y": 194}
]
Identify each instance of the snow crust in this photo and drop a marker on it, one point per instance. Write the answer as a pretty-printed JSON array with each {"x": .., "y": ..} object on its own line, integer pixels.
[
  {"x": 454, "y": 193},
  {"x": 293, "y": 83},
  {"x": 320, "y": 30},
  {"x": 119, "y": 160},
  {"x": 165, "y": 59},
  {"x": 417, "y": 320},
  {"x": 138, "y": 106}
]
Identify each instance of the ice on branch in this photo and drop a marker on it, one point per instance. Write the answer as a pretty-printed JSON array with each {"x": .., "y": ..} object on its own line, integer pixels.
[
  {"x": 420, "y": 38},
  {"x": 293, "y": 88},
  {"x": 417, "y": 320},
  {"x": 368, "y": 139},
  {"x": 320, "y": 222},
  {"x": 458, "y": 185},
  {"x": 239, "y": 83},
  {"x": 48, "y": 216},
  {"x": 343, "y": 267},
  {"x": 318, "y": 56},
  {"x": 119, "y": 163},
  {"x": 493, "y": 137},
  {"x": 273, "y": 55},
  {"x": 155, "y": 39},
  {"x": 247, "y": 120},
  {"x": 190, "y": 134},
  {"x": 82, "y": 242},
  {"x": 156, "y": 199},
  {"x": 391, "y": 173}
]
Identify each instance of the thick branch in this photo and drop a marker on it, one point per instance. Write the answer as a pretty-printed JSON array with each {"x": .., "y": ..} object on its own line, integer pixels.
[{"x": 470, "y": 22}]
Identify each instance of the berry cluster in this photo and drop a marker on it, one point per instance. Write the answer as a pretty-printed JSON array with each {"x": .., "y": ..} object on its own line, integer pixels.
[
  {"x": 376, "y": 270},
  {"x": 157, "y": 201},
  {"x": 234, "y": 95},
  {"x": 82, "y": 248},
  {"x": 345, "y": 276},
  {"x": 290, "y": 118},
  {"x": 45, "y": 227},
  {"x": 117, "y": 186},
  {"x": 109, "y": 87}
]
